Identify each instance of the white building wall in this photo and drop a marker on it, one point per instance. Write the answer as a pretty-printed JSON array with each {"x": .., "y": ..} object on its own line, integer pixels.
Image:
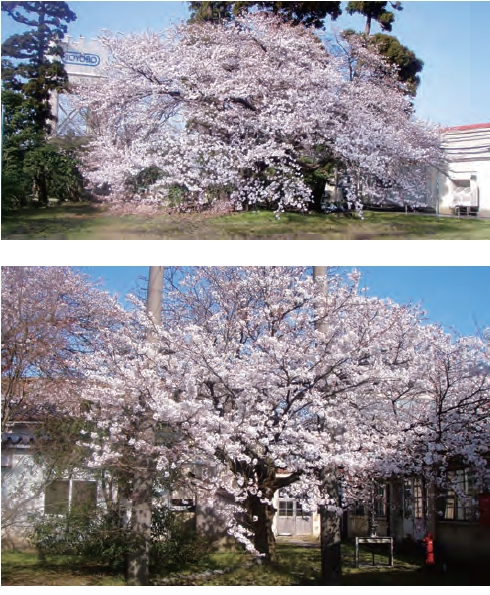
[
  {"x": 22, "y": 494},
  {"x": 466, "y": 181}
]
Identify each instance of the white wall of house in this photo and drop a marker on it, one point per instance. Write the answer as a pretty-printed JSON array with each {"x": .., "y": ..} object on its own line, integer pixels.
[
  {"x": 22, "y": 494},
  {"x": 24, "y": 489}
]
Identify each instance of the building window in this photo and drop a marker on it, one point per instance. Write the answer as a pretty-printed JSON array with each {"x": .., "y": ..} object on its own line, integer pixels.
[
  {"x": 461, "y": 501},
  {"x": 7, "y": 461},
  {"x": 380, "y": 500},
  {"x": 286, "y": 508},
  {"x": 57, "y": 497},
  {"x": 65, "y": 495},
  {"x": 300, "y": 511},
  {"x": 413, "y": 498},
  {"x": 83, "y": 495}
]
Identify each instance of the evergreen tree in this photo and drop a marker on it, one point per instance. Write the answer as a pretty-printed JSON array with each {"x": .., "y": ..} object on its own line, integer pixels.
[
  {"x": 375, "y": 11},
  {"x": 31, "y": 71},
  {"x": 409, "y": 66},
  {"x": 215, "y": 12},
  {"x": 310, "y": 14},
  {"x": 36, "y": 73}
]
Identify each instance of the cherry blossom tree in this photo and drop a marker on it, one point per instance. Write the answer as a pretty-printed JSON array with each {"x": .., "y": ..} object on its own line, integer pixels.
[
  {"x": 260, "y": 373},
  {"x": 293, "y": 381},
  {"x": 439, "y": 420},
  {"x": 447, "y": 416},
  {"x": 247, "y": 110},
  {"x": 131, "y": 385},
  {"x": 48, "y": 313}
]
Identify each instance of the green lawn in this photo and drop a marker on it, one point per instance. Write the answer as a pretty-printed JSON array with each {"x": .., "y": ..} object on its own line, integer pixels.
[
  {"x": 297, "y": 566},
  {"x": 88, "y": 222}
]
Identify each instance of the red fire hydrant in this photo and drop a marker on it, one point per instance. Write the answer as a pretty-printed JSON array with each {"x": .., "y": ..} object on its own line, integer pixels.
[{"x": 429, "y": 549}]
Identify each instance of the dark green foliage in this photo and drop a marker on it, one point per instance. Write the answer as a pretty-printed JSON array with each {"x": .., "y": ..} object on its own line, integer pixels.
[
  {"x": 375, "y": 11},
  {"x": 102, "y": 536},
  {"x": 143, "y": 179},
  {"x": 409, "y": 66},
  {"x": 215, "y": 12},
  {"x": 174, "y": 542},
  {"x": 82, "y": 533},
  {"x": 56, "y": 168},
  {"x": 51, "y": 170},
  {"x": 317, "y": 173},
  {"x": 35, "y": 74},
  {"x": 310, "y": 14},
  {"x": 31, "y": 72},
  {"x": 48, "y": 21}
]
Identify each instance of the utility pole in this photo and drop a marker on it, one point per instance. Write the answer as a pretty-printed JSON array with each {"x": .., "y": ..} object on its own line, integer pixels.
[
  {"x": 155, "y": 293},
  {"x": 330, "y": 521},
  {"x": 137, "y": 572}
]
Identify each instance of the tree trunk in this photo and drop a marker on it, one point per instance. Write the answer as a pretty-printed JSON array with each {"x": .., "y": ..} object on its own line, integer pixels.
[
  {"x": 262, "y": 515},
  {"x": 42, "y": 190},
  {"x": 330, "y": 521},
  {"x": 367, "y": 28},
  {"x": 137, "y": 563},
  {"x": 137, "y": 571},
  {"x": 331, "y": 531}
]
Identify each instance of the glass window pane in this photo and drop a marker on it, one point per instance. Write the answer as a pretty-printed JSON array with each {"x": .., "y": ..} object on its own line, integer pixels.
[
  {"x": 83, "y": 495},
  {"x": 56, "y": 497}
]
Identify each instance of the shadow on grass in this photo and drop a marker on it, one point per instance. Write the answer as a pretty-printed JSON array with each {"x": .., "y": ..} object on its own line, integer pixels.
[
  {"x": 298, "y": 565},
  {"x": 24, "y": 569}
]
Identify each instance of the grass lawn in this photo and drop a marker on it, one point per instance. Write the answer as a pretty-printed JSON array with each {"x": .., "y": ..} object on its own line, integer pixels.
[
  {"x": 87, "y": 222},
  {"x": 298, "y": 565}
]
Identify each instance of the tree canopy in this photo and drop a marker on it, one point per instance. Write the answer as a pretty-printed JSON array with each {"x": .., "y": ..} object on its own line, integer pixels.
[
  {"x": 250, "y": 111},
  {"x": 408, "y": 65},
  {"x": 310, "y": 14},
  {"x": 33, "y": 73}
]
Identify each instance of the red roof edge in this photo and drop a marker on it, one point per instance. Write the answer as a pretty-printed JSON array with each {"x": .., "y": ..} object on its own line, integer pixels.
[{"x": 467, "y": 127}]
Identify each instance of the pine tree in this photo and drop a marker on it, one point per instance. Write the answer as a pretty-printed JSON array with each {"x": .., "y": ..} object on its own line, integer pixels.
[
  {"x": 409, "y": 66},
  {"x": 375, "y": 11},
  {"x": 310, "y": 14},
  {"x": 31, "y": 71},
  {"x": 35, "y": 72}
]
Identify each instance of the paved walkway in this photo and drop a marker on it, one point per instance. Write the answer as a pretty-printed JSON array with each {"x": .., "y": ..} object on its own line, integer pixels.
[{"x": 299, "y": 540}]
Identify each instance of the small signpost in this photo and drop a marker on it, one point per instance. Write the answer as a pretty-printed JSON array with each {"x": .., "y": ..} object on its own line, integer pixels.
[{"x": 375, "y": 541}]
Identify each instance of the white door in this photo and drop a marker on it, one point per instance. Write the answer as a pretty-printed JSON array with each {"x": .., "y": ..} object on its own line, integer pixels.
[{"x": 292, "y": 520}]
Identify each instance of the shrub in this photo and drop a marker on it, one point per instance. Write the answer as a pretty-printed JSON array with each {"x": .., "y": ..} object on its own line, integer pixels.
[
  {"x": 175, "y": 544},
  {"x": 102, "y": 536}
]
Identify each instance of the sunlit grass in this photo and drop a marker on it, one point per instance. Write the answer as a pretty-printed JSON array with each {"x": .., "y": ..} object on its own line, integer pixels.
[{"x": 87, "y": 222}]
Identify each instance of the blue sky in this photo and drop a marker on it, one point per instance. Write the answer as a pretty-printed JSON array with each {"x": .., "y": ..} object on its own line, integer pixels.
[
  {"x": 452, "y": 38},
  {"x": 457, "y": 297}
]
